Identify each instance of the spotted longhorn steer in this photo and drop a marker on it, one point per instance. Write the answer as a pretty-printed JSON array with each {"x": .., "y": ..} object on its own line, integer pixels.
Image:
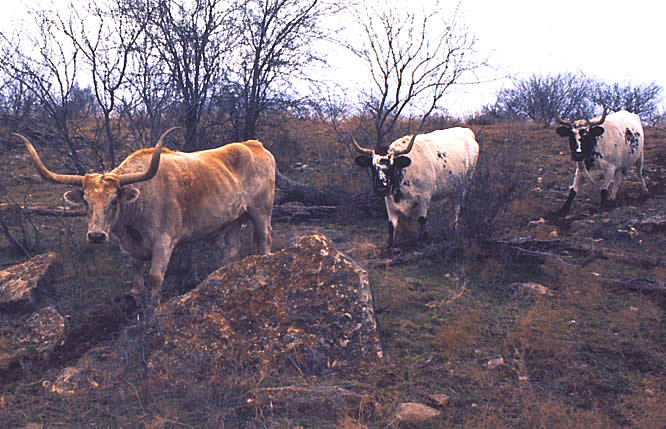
[
  {"x": 416, "y": 170},
  {"x": 604, "y": 153},
  {"x": 157, "y": 198}
]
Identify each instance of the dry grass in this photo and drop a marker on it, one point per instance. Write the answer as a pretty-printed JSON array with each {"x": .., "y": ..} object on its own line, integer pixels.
[{"x": 589, "y": 356}]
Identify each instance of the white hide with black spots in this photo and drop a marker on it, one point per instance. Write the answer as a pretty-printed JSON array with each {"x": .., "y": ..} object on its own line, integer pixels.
[
  {"x": 441, "y": 162},
  {"x": 608, "y": 160},
  {"x": 440, "y": 166}
]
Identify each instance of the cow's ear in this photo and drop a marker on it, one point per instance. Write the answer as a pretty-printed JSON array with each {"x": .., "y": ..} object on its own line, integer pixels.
[
  {"x": 363, "y": 160},
  {"x": 130, "y": 194},
  {"x": 75, "y": 197},
  {"x": 596, "y": 131},
  {"x": 563, "y": 131},
  {"x": 402, "y": 161}
]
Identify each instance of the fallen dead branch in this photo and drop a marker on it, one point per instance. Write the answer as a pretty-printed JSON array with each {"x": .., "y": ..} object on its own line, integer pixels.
[
  {"x": 6, "y": 209},
  {"x": 532, "y": 247},
  {"x": 643, "y": 284}
]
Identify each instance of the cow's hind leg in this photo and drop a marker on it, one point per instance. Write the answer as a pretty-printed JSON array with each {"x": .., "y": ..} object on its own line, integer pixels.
[
  {"x": 639, "y": 173},
  {"x": 617, "y": 182},
  {"x": 229, "y": 241},
  {"x": 422, "y": 211},
  {"x": 263, "y": 232},
  {"x": 605, "y": 184}
]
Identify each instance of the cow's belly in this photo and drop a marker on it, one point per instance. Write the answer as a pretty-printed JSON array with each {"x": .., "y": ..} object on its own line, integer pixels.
[
  {"x": 594, "y": 175},
  {"x": 209, "y": 220},
  {"x": 409, "y": 206}
]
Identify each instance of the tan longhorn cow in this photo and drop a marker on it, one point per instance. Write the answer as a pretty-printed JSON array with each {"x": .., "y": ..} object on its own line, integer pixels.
[{"x": 157, "y": 198}]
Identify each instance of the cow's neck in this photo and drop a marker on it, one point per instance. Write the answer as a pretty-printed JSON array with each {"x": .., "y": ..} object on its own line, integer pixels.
[
  {"x": 396, "y": 182},
  {"x": 592, "y": 156}
]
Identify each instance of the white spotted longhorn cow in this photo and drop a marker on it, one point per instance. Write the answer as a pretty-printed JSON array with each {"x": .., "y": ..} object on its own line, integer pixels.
[
  {"x": 416, "y": 170},
  {"x": 604, "y": 150}
]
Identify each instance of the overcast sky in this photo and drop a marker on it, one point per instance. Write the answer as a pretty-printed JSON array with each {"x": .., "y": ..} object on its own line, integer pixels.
[{"x": 609, "y": 40}]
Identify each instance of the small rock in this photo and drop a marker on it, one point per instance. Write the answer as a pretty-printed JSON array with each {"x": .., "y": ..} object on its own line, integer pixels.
[
  {"x": 553, "y": 234},
  {"x": 536, "y": 287},
  {"x": 414, "y": 284},
  {"x": 324, "y": 401},
  {"x": 415, "y": 413},
  {"x": 440, "y": 398},
  {"x": 72, "y": 380},
  {"x": 494, "y": 363},
  {"x": 537, "y": 222}
]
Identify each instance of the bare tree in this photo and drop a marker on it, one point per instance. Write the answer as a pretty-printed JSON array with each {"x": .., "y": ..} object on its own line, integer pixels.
[
  {"x": 47, "y": 65},
  {"x": 275, "y": 45},
  {"x": 414, "y": 57},
  {"x": 541, "y": 97},
  {"x": 194, "y": 38},
  {"x": 642, "y": 100},
  {"x": 148, "y": 92},
  {"x": 105, "y": 35}
]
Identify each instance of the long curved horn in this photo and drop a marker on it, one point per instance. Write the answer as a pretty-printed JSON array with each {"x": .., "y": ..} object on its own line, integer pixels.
[
  {"x": 129, "y": 178},
  {"x": 67, "y": 179},
  {"x": 362, "y": 149},
  {"x": 408, "y": 148},
  {"x": 562, "y": 121},
  {"x": 601, "y": 120}
]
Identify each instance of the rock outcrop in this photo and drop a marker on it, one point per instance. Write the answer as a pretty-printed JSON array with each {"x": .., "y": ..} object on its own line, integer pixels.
[
  {"x": 35, "y": 338},
  {"x": 305, "y": 310},
  {"x": 20, "y": 284}
]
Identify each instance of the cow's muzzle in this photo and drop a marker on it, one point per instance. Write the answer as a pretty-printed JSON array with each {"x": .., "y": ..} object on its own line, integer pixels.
[
  {"x": 578, "y": 156},
  {"x": 97, "y": 237},
  {"x": 381, "y": 190}
]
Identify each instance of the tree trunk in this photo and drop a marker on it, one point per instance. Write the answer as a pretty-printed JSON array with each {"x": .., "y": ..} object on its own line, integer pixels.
[{"x": 292, "y": 191}]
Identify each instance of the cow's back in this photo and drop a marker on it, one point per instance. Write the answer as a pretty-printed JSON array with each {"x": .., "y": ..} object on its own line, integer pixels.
[
  {"x": 441, "y": 161},
  {"x": 200, "y": 191},
  {"x": 622, "y": 142}
]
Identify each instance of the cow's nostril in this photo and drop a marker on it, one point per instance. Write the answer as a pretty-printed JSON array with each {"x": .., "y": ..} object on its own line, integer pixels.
[{"x": 97, "y": 237}]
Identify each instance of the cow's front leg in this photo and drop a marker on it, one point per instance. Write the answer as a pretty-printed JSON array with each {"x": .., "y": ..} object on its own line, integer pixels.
[
  {"x": 422, "y": 229},
  {"x": 137, "y": 283},
  {"x": 567, "y": 204},
  {"x": 162, "y": 250},
  {"x": 573, "y": 190},
  {"x": 391, "y": 234}
]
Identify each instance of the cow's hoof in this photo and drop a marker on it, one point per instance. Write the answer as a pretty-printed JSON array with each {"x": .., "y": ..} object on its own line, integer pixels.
[{"x": 125, "y": 299}]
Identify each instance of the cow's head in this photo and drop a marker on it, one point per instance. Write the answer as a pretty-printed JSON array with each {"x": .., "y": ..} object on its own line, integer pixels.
[
  {"x": 102, "y": 194},
  {"x": 385, "y": 167},
  {"x": 582, "y": 135}
]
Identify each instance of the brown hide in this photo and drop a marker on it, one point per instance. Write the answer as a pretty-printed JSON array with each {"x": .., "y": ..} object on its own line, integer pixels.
[{"x": 193, "y": 196}]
